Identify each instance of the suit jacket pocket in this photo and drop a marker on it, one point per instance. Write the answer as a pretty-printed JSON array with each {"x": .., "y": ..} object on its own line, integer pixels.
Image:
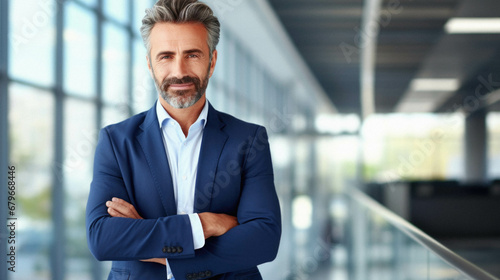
[
  {"x": 251, "y": 274},
  {"x": 118, "y": 274}
]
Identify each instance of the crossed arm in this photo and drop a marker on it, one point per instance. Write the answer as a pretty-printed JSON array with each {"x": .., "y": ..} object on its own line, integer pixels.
[
  {"x": 213, "y": 224},
  {"x": 118, "y": 233}
]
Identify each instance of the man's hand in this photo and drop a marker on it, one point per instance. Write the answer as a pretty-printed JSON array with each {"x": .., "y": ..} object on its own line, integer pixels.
[
  {"x": 213, "y": 224},
  {"x": 120, "y": 208},
  {"x": 216, "y": 224}
]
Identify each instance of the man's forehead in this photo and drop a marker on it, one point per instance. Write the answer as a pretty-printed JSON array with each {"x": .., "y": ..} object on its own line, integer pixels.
[{"x": 175, "y": 34}]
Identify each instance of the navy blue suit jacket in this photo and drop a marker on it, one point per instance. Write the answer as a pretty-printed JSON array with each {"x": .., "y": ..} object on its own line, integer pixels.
[{"x": 235, "y": 177}]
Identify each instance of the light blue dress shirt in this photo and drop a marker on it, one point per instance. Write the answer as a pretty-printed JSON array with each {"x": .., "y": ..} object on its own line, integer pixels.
[{"x": 183, "y": 153}]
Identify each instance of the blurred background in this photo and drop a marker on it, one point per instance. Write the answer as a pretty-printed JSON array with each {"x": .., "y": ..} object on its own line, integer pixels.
[{"x": 382, "y": 115}]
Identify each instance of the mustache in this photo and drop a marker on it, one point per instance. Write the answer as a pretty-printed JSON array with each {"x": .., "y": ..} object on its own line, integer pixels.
[{"x": 184, "y": 80}]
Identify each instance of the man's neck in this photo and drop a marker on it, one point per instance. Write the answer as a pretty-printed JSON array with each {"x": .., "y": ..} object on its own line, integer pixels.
[{"x": 187, "y": 116}]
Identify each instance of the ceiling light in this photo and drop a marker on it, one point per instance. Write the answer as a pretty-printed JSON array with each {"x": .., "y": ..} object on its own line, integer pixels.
[
  {"x": 435, "y": 85},
  {"x": 302, "y": 212},
  {"x": 412, "y": 106},
  {"x": 337, "y": 124},
  {"x": 472, "y": 25}
]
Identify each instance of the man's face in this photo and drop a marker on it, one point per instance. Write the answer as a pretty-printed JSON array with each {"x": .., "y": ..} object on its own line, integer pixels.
[{"x": 180, "y": 62}]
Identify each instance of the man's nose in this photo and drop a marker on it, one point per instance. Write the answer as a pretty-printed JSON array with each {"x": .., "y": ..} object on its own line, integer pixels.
[{"x": 179, "y": 68}]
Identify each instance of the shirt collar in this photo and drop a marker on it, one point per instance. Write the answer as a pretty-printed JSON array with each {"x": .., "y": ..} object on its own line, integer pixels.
[{"x": 163, "y": 115}]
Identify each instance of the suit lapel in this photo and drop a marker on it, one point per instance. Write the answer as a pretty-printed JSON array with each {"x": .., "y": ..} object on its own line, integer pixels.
[
  {"x": 212, "y": 144},
  {"x": 151, "y": 142}
]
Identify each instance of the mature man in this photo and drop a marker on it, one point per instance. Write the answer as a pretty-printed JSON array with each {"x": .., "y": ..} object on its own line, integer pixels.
[{"x": 183, "y": 191}]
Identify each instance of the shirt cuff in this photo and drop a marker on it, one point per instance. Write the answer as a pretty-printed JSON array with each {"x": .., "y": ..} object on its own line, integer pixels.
[
  {"x": 197, "y": 230},
  {"x": 169, "y": 271}
]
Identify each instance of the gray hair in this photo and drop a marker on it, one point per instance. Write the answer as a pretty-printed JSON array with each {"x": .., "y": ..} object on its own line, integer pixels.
[{"x": 181, "y": 11}]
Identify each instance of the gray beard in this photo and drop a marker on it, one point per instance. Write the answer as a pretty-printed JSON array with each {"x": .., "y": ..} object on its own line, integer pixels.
[
  {"x": 178, "y": 99},
  {"x": 181, "y": 99}
]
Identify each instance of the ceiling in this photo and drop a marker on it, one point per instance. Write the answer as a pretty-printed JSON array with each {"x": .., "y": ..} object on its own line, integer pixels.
[{"x": 412, "y": 43}]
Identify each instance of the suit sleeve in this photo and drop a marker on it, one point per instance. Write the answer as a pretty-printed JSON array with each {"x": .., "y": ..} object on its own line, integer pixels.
[
  {"x": 113, "y": 238},
  {"x": 256, "y": 239}
]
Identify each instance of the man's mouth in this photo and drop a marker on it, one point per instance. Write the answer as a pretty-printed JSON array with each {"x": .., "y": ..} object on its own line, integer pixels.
[{"x": 181, "y": 86}]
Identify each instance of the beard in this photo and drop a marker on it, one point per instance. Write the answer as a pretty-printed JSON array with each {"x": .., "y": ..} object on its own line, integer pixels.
[{"x": 181, "y": 99}]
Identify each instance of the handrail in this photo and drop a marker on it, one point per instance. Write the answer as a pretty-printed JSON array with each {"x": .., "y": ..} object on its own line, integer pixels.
[{"x": 419, "y": 236}]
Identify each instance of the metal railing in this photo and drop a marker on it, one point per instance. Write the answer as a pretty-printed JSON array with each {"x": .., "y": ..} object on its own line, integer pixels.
[{"x": 372, "y": 207}]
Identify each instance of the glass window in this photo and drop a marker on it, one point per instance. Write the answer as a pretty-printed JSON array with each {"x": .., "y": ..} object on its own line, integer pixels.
[
  {"x": 242, "y": 86},
  {"x": 143, "y": 92},
  {"x": 222, "y": 58},
  {"x": 260, "y": 95},
  {"x": 80, "y": 136},
  {"x": 139, "y": 11},
  {"x": 413, "y": 147},
  {"x": 117, "y": 9},
  {"x": 90, "y": 3},
  {"x": 115, "y": 57},
  {"x": 31, "y": 41},
  {"x": 216, "y": 87},
  {"x": 80, "y": 52},
  {"x": 213, "y": 93},
  {"x": 231, "y": 65},
  {"x": 112, "y": 115},
  {"x": 31, "y": 121},
  {"x": 493, "y": 122}
]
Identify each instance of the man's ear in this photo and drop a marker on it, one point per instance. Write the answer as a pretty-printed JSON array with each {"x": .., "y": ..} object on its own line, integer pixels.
[{"x": 214, "y": 61}]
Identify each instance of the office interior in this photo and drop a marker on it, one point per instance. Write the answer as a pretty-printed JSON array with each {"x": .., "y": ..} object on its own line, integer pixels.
[{"x": 383, "y": 117}]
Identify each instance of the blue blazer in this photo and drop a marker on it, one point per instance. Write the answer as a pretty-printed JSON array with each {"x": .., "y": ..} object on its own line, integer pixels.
[{"x": 235, "y": 177}]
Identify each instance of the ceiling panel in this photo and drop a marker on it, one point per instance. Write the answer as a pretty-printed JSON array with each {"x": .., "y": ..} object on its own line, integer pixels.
[{"x": 411, "y": 43}]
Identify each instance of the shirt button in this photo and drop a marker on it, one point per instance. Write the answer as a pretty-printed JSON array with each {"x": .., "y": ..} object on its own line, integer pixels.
[{"x": 184, "y": 177}]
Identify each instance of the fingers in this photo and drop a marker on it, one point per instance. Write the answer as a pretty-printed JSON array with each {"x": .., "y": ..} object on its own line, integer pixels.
[
  {"x": 216, "y": 224},
  {"x": 120, "y": 208},
  {"x": 231, "y": 222},
  {"x": 228, "y": 219},
  {"x": 115, "y": 213},
  {"x": 207, "y": 223},
  {"x": 225, "y": 223},
  {"x": 156, "y": 260}
]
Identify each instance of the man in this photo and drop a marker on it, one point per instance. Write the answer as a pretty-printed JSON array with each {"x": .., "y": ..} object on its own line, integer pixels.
[{"x": 183, "y": 191}]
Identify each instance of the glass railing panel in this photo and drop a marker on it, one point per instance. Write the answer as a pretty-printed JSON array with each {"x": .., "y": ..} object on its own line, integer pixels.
[
  {"x": 416, "y": 260},
  {"x": 380, "y": 252},
  {"x": 439, "y": 269},
  {"x": 385, "y": 246}
]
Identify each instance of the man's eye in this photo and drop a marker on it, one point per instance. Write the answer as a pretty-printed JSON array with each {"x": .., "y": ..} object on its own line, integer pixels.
[
  {"x": 166, "y": 57},
  {"x": 193, "y": 56}
]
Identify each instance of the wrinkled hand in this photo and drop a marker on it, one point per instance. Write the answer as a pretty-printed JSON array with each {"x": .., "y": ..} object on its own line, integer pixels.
[
  {"x": 120, "y": 208},
  {"x": 216, "y": 224}
]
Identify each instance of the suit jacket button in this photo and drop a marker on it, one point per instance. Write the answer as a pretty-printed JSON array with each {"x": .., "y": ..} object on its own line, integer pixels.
[
  {"x": 208, "y": 273},
  {"x": 164, "y": 249},
  {"x": 169, "y": 250},
  {"x": 179, "y": 249},
  {"x": 173, "y": 249},
  {"x": 189, "y": 276}
]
